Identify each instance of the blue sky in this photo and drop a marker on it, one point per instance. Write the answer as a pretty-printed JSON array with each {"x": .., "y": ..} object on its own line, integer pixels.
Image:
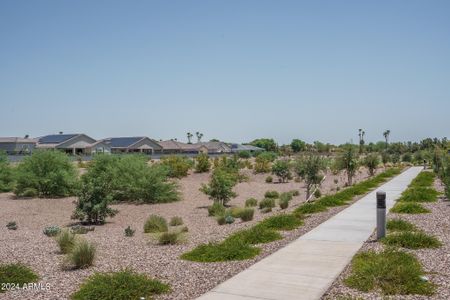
[{"x": 234, "y": 70}]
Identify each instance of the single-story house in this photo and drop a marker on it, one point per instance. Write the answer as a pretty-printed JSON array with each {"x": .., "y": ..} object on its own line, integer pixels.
[
  {"x": 212, "y": 147},
  {"x": 17, "y": 145},
  {"x": 76, "y": 144},
  {"x": 239, "y": 147},
  {"x": 141, "y": 144},
  {"x": 174, "y": 147}
]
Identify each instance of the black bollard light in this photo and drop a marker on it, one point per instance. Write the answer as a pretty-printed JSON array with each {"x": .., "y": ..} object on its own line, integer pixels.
[{"x": 381, "y": 214}]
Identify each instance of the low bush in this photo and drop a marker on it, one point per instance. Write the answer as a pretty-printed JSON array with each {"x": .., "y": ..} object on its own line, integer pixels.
[
  {"x": 66, "y": 241},
  {"x": 244, "y": 154},
  {"x": 202, "y": 163},
  {"x": 82, "y": 254},
  {"x": 262, "y": 164},
  {"x": 251, "y": 202},
  {"x": 17, "y": 274},
  {"x": 267, "y": 203},
  {"x": 169, "y": 238},
  {"x": 256, "y": 235},
  {"x": 228, "y": 250},
  {"x": 155, "y": 223},
  {"x": 49, "y": 173},
  {"x": 411, "y": 240},
  {"x": 311, "y": 208},
  {"x": 283, "y": 203},
  {"x": 125, "y": 284},
  {"x": 272, "y": 194},
  {"x": 409, "y": 208},
  {"x": 129, "y": 232},
  {"x": 52, "y": 230},
  {"x": 12, "y": 225},
  {"x": 217, "y": 209},
  {"x": 78, "y": 229},
  {"x": 282, "y": 169},
  {"x": 286, "y": 196},
  {"x": 266, "y": 210},
  {"x": 176, "y": 221},
  {"x": 400, "y": 225},
  {"x": 29, "y": 193},
  {"x": 317, "y": 194},
  {"x": 229, "y": 219},
  {"x": 269, "y": 179},
  {"x": 392, "y": 272},
  {"x": 221, "y": 220},
  {"x": 177, "y": 166},
  {"x": 247, "y": 214},
  {"x": 281, "y": 222}
]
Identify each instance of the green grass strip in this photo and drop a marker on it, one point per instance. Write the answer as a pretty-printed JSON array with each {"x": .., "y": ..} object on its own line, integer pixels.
[
  {"x": 412, "y": 240},
  {"x": 400, "y": 225},
  {"x": 409, "y": 208}
]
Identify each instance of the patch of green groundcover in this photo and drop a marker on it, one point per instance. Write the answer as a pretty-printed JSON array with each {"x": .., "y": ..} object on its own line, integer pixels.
[
  {"x": 343, "y": 197},
  {"x": 120, "y": 285},
  {"x": 391, "y": 271},
  {"x": 282, "y": 222},
  {"x": 400, "y": 225},
  {"x": 16, "y": 274},
  {"x": 424, "y": 179},
  {"x": 412, "y": 240},
  {"x": 419, "y": 194},
  {"x": 409, "y": 208}
]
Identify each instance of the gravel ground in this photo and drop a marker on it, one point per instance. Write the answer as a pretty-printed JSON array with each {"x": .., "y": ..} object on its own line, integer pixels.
[
  {"x": 436, "y": 262},
  {"x": 115, "y": 251}
]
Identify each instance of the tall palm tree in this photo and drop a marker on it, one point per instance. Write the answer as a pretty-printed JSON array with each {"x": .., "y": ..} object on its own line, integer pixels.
[
  {"x": 386, "y": 136},
  {"x": 361, "y": 140},
  {"x": 199, "y": 136},
  {"x": 189, "y": 137}
]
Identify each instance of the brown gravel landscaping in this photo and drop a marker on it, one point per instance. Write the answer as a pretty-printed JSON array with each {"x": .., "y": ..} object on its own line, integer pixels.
[
  {"x": 188, "y": 280},
  {"x": 436, "y": 262}
]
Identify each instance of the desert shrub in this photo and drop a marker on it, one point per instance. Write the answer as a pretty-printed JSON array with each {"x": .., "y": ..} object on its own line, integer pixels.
[
  {"x": 281, "y": 222},
  {"x": 247, "y": 214},
  {"x": 155, "y": 223},
  {"x": 184, "y": 229},
  {"x": 317, "y": 194},
  {"x": 202, "y": 163},
  {"x": 409, "y": 208},
  {"x": 267, "y": 203},
  {"x": 16, "y": 273},
  {"x": 177, "y": 166},
  {"x": 400, "y": 225},
  {"x": 256, "y": 235},
  {"x": 129, "y": 231},
  {"x": 284, "y": 203},
  {"x": 262, "y": 164},
  {"x": 250, "y": 202},
  {"x": 393, "y": 272},
  {"x": 295, "y": 193},
  {"x": 282, "y": 169},
  {"x": 50, "y": 173},
  {"x": 269, "y": 179},
  {"x": 268, "y": 155},
  {"x": 348, "y": 161},
  {"x": 407, "y": 157},
  {"x": 229, "y": 219},
  {"x": 221, "y": 220},
  {"x": 311, "y": 208},
  {"x": 385, "y": 158},
  {"x": 309, "y": 168},
  {"x": 228, "y": 250},
  {"x": 12, "y": 225},
  {"x": 66, "y": 241},
  {"x": 82, "y": 254},
  {"x": 6, "y": 174},
  {"x": 169, "y": 238},
  {"x": 266, "y": 210},
  {"x": 124, "y": 284},
  {"x": 52, "y": 230},
  {"x": 244, "y": 154},
  {"x": 411, "y": 240},
  {"x": 93, "y": 201},
  {"x": 286, "y": 196},
  {"x": 220, "y": 186},
  {"x": 78, "y": 229},
  {"x": 371, "y": 161},
  {"x": 217, "y": 209},
  {"x": 29, "y": 193},
  {"x": 176, "y": 221},
  {"x": 271, "y": 194}
]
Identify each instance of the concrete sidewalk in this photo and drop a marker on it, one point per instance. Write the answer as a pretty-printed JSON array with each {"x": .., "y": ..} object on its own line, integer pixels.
[{"x": 307, "y": 267}]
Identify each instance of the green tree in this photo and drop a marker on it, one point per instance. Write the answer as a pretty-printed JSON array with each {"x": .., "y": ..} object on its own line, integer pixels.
[
  {"x": 309, "y": 168},
  {"x": 48, "y": 174},
  {"x": 220, "y": 186},
  {"x": 282, "y": 169},
  {"x": 348, "y": 161},
  {"x": 298, "y": 145},
  {"x": 267, "y": 144},
  {"x": 371, "y": 161},
  {"x": 6, "y": 174},
  {"x": 202, "y": 163}
]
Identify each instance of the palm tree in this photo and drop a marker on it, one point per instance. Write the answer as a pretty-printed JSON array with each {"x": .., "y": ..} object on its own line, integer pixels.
[
  {"x": 189, "y": 137},
  {"x": 361, "y": 140},
  {"x": 199, "y": 136},
  {"x": 386, "y": 136}
]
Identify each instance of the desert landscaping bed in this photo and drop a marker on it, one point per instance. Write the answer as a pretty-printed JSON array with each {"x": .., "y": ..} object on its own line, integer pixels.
[
  {"x": 188, "y": 280},
  {"x": 435, "y": 261}
]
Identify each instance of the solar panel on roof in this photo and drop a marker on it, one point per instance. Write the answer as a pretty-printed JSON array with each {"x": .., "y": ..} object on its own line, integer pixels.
[
  {"x": 56, "y": 138},
  {"x": 123, "y": 142}
]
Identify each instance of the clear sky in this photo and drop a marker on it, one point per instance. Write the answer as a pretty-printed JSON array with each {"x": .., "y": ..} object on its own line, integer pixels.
[{"x": 234, "y": 70}]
